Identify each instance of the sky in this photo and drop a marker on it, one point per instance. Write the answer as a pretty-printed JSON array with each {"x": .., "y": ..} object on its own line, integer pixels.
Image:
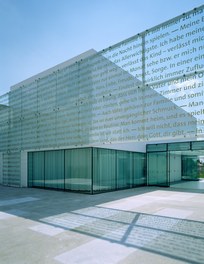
[{"x": 38, "y": 34}]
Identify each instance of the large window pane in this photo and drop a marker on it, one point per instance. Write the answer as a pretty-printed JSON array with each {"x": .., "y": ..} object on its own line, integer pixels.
[
  {"x": 157, "y": 169},
  {"x": 156, "y": 147},
  {"x": 124, "y": 169},
  {"x": 30, "y": 169},
  {"x": 179, "y": 146},
  {"x": 190, "y": 167},
  {"x": 54, "y": 169},
  {"x": 104, "y": 169},
  {"x": 38, "y": 169},
  {"x": 78, "y": 169},
  {"x": 198, "y": 145},
  {"x": 139, "y": 174}
]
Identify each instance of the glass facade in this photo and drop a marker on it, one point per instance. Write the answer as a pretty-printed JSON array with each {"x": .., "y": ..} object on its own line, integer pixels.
[
  {"x": 148, "y": 88},
  {"x": 116, "y": 169},
  {"x": 88, "y": 170}
]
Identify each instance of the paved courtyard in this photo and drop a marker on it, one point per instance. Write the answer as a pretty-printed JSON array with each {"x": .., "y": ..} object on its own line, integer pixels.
[{"x": 142, "y": 225}]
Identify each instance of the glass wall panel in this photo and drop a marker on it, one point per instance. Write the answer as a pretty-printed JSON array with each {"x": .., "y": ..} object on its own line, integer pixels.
[
  {"x": 197, "y": 145},
  {"x": 175, "y": 169},
  {"x": 78, "y": 169},
  {"x": 184, "y": 96},
  {"x": 187, "y": 164},
  {"x": 124, "y": 169},
  {"x": 189, "y": 167},
  {"x": 4, "y": 122},
  {"x": 38, "y": 168},
  {"x": 139, "y": 169},
  {"x": 30, "y": 169},
  {"x": 179, "y": 146},
  {"x": 156, "y": 147},
  {"x": 174, "y": 48},
  {"x": 104, "y": 169},
  {"x": 54, "y": 169},
  {"x": 120, "y": 56},
  {"x": 157, "y": 168}
]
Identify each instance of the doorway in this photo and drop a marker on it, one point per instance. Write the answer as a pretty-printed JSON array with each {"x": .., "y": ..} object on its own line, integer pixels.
[
  {"x": 187, "y": 169},
  {"x": 176, "y": 164}
]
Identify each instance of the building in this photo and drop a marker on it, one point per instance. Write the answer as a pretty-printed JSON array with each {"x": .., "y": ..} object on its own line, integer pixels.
[{"x": 129, "y": 115}]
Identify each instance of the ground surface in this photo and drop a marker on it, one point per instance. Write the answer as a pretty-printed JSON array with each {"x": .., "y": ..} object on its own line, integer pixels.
[{"x": 142, "y": 225}]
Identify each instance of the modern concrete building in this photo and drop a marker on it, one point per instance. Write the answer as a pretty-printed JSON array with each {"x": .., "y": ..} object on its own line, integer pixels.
[{"x": 129, "y": 115}]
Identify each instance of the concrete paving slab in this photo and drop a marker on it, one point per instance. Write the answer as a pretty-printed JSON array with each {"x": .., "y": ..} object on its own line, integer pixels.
[
  {"x": 142, "y": 225},
  {"x": 96, "y": 252},
  {"x": 175, "y": 213},
  {"x": 47, "y": 229}
]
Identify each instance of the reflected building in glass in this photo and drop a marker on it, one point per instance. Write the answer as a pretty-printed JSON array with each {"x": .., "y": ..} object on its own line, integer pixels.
[{"x": 127, "y": 116}]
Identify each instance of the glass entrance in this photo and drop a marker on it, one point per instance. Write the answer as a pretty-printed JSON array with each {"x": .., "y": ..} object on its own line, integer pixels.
[
  {"x": 187, "y": 169},
  {"x": 176, "y": 164}
]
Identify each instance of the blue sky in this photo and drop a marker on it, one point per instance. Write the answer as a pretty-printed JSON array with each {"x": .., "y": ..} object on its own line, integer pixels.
[{"x": 38, "y": 34}]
